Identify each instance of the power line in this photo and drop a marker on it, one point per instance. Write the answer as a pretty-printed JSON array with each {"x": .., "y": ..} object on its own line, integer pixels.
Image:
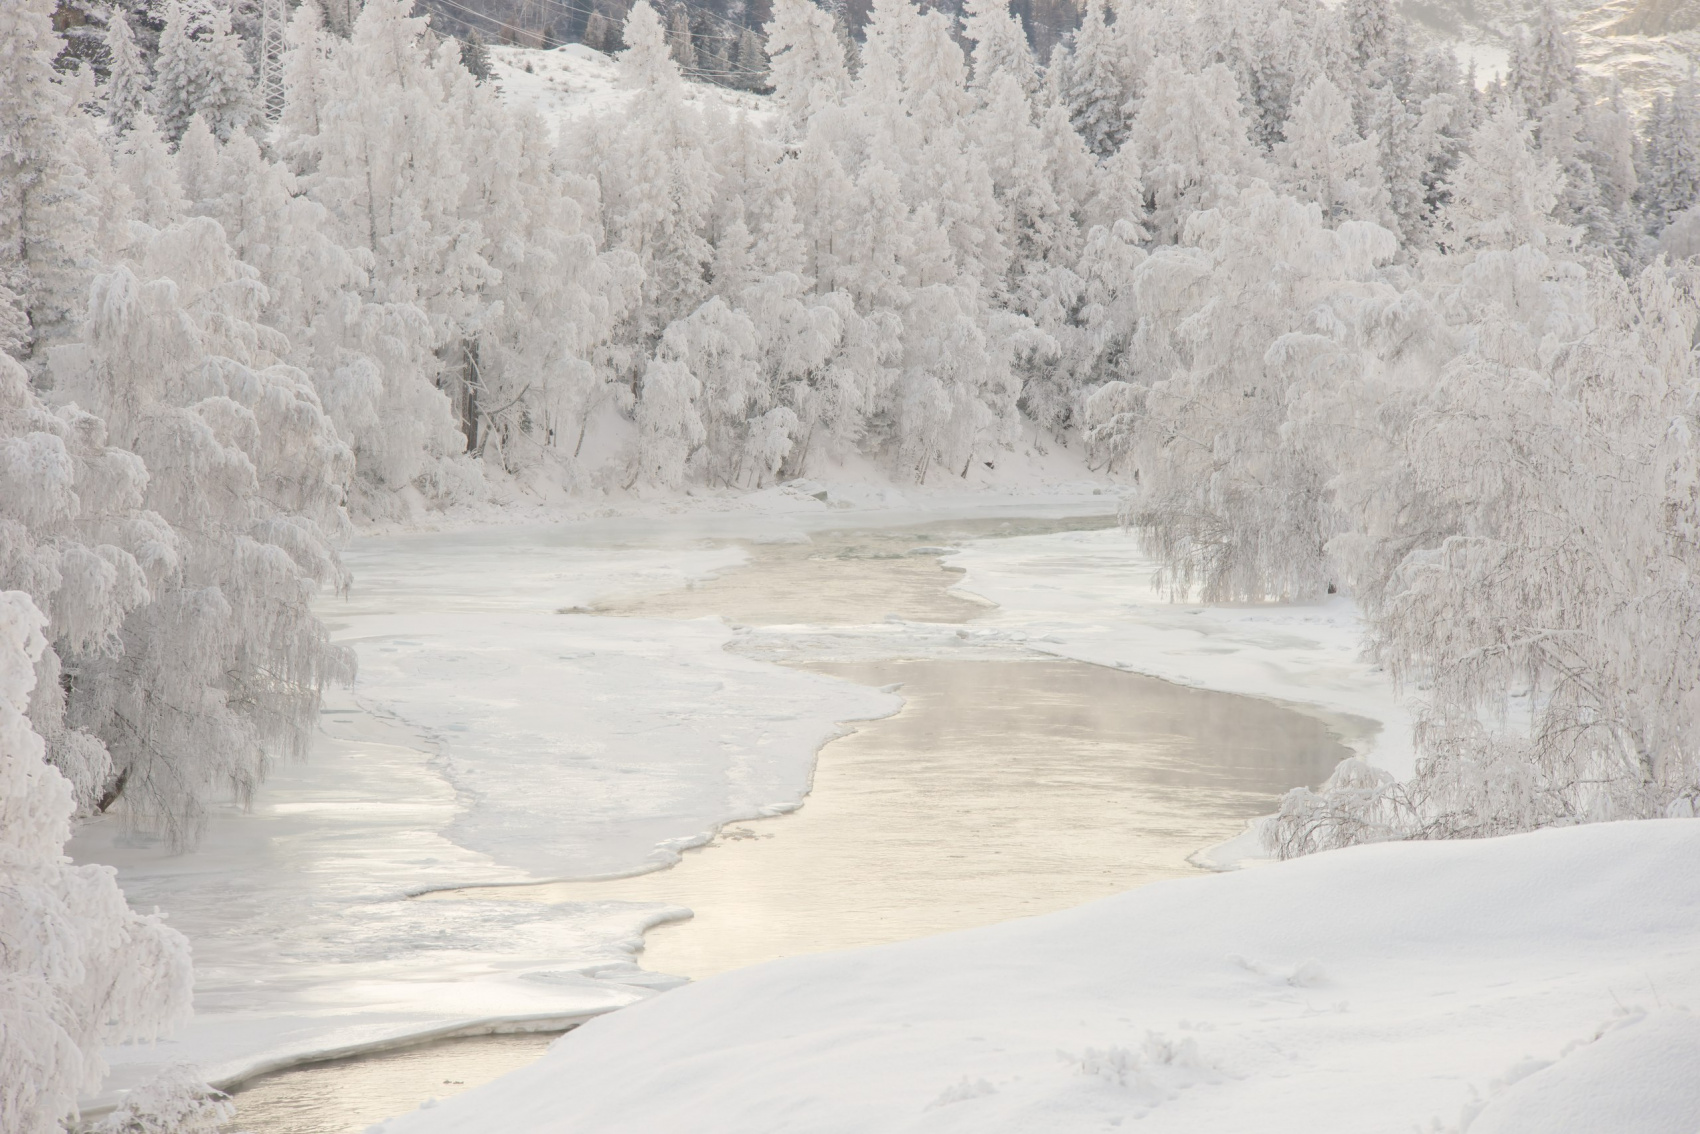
[
  {"x": 735, "y": 35},
  {"x": 514, "y": 30}
]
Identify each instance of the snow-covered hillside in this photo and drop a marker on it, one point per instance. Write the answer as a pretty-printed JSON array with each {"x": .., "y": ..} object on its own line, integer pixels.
[
  {"x": 1646, "y": 45},
  {"x": 1537, "y": 983},
  {"x": 574, "y": 81}
]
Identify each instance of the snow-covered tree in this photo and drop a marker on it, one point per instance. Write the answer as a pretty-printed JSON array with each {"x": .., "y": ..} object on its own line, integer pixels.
[
  {"x": 80, "y": 970},
  {"x": 1504, "y": 192},
  {"x": 1094, "y": 81},
  {"x": 44, "y": 231},
  {"x": 1587, "y": 141},
  {"x": 1190, "y": 142},
  {"x": 221, "y": 671},
  {"x": 394, "y": 116},
  {"x": 1668, "y": 167},
  {"x": 306, "y": 88},
  {"x": 807, "y": 63},
  {"x": 202, "y": 70},
  {"x": 679, "y": 42},
  {"x": 1323, "y": 159},
  {"x": 657, "y": 180},
  {"x": 127, "y": 83},
  {"x": 1231, "y": 507},
  {"x": 1000, "y": 47},
  {"x": 1538, "y": 558}
]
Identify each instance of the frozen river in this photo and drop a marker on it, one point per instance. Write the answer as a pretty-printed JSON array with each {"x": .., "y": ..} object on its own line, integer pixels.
[
  {"x": 1000, "y": 789},
  {"x": 594, "y": 701}
]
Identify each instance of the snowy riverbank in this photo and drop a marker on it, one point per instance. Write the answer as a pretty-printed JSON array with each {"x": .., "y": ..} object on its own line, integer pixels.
[
  {"x": 497, "y": 739},
  {"x": 1533, "y": 983}
]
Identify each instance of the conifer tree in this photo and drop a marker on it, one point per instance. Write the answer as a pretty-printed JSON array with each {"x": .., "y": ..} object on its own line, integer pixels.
[
  {"x": 306, "y": 79},
  {"x": 752, "y": 68},
  {"x": 807, "y": 62},
  {"x": 126, "y": 93},
  {"x": 1324, "y": 160},
  {"x": 1094, "y": 85},
  {"x": 658, "y": 182},
  {"x": 475, "y": 57},
  {"x": 679, "y": 42},
  {"x": 598, "y": 31},
  {"x": 227, "y": 98},
  {"x": 44, "y": 235},
  {"x": 179, "y": 71},
  {"x": 1670, "y": 169},
  {"x": 1504, "y": 192},
  {"x": 201, "y": 70},
  {"x": 1000, "y": 47},
  {"x": 1190, "y": 141}
]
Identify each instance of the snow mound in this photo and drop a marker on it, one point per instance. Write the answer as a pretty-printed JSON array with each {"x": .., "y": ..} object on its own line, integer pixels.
[
  {"x": 1384, "y": 980},
  {"x": 1641, "y": 1074}
]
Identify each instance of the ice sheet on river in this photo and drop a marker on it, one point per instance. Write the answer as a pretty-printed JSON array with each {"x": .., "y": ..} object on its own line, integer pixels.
[
  {"x": 524, "y": 744},
  {"x": 584, "y": 747}
]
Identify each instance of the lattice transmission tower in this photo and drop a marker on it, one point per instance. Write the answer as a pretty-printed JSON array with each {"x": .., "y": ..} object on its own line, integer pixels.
[{"x": 274, "y": 17}]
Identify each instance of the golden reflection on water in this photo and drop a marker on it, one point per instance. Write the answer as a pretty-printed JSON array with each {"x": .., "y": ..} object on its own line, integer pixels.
[
  {"x": 839, "y": 578},
  {"x": 352, "y": 1094},
  {"x": 1002, "y": 789}
]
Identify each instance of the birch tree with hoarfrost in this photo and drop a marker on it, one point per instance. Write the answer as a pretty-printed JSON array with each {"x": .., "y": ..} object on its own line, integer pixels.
[
  {"x": 79, "y": 969},
  {"x": 220, "y": 673}
]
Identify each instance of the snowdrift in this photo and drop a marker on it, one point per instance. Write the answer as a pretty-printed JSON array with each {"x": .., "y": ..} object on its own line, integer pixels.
[{"x": 1530, "y": 983}]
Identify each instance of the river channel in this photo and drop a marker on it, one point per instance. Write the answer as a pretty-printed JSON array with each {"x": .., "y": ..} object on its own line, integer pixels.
[{"x": 1007, "y": 785}]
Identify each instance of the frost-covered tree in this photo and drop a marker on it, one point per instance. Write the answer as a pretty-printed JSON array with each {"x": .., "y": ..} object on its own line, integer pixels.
[
  {"x": 1538, "y": 561},
  {"x": 475, "y": 57},
  {"x": 657, "y": 180},
  {"x": 807, "y": 62},
  {"x": 679, "y": 41},
  {"x": 1094, "y": 82},
  {"x": 670, "y": 428},
  {"x": 44, "y": 229},
  {"x": 393, "y": 116},
  {"x": 80, "y": 970},
  {"x": 1323, "y": 159},
  {"x": 1190, "y": 142},
  {"x": 1587, "y": 140},
  {"x": 221, "y": 671},
  {"x": 75, "y": 538},
  {"x": 751, "y": 68},
  {"x": 202, "y": 70},
  {"x": 306, "y": 88},
  {"x": 1504, "y": 192},
  {"x": 127, "y": 82},
  {"x": 1231, "y": 507},
  {"x": 1000, "y": 47},
  {"x": 1668, "y": 166},
  {"x": 717, "y": 346},
  {"x": 543, "y": 365}
]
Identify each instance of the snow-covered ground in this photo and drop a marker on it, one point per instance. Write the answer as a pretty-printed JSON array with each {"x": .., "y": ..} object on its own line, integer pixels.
[
  {"x": 497, "y": 734},
  {"x": 1537, "y": 983},
  {"x": 572, "y": 81}
]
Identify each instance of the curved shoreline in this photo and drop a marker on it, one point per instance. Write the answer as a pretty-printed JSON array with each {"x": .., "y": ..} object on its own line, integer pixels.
[{"x": 495, "y": 1024}]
